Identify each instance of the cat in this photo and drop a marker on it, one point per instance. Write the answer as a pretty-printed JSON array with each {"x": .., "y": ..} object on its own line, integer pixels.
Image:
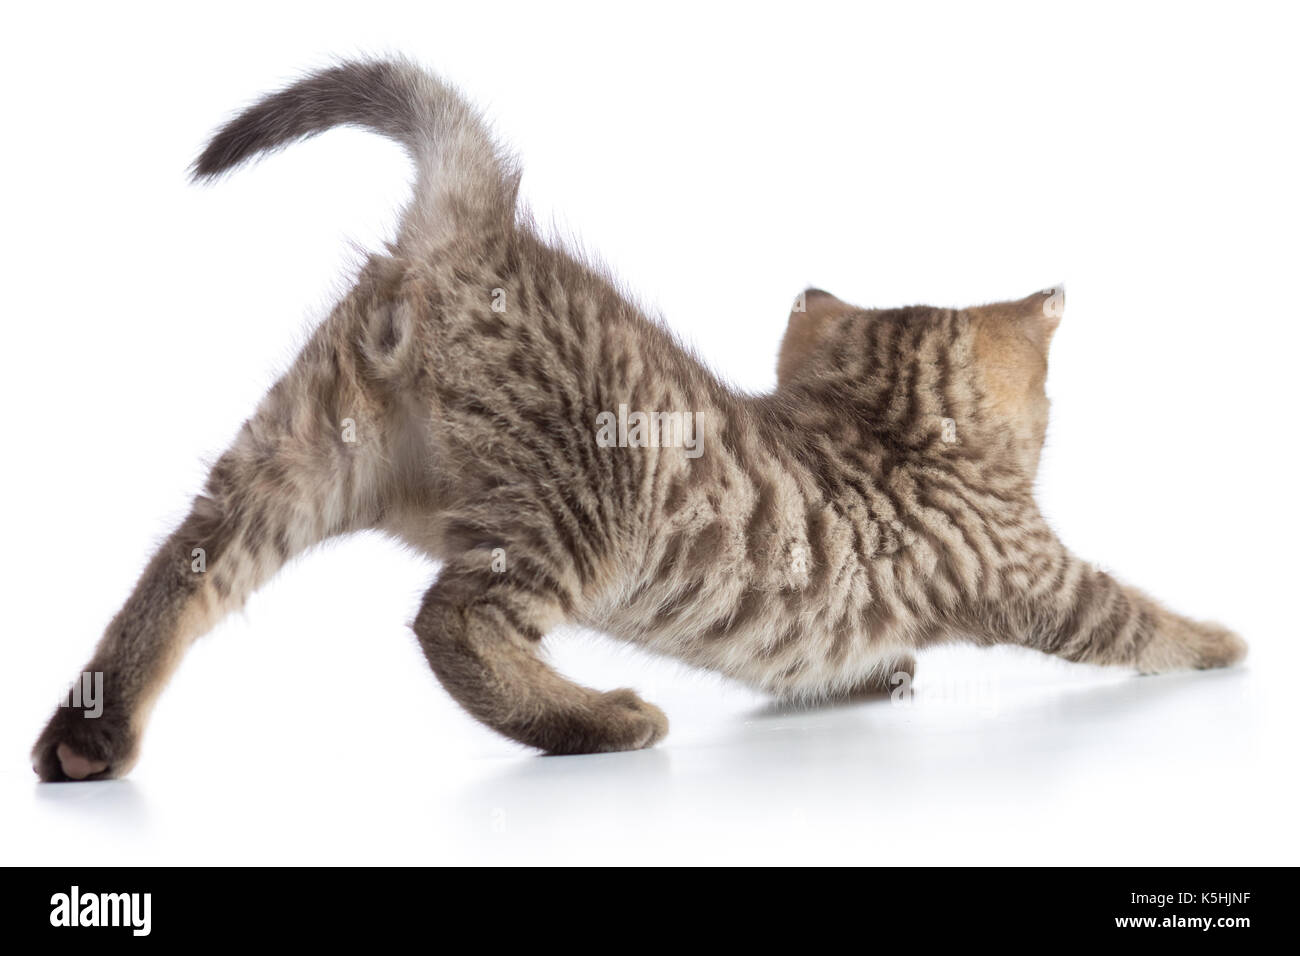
[{"x": 499, "y": 404}]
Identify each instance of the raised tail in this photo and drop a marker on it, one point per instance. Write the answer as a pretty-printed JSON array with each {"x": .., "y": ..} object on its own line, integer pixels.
[{"x": 463, "y": 178}]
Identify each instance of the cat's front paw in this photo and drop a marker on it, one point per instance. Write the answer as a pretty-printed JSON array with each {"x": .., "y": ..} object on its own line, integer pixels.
[
  {"x": 78, "y": 746},
  {"x": 1218, "y": 647},
  {"x": 1185, "y": 644}
]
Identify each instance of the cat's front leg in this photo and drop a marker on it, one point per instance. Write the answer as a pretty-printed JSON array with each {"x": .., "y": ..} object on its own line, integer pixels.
[
  {"x": 885, "y": 679},
  {"x": 1181, "y": 643},
  {"x": 1086, "y": 615}
]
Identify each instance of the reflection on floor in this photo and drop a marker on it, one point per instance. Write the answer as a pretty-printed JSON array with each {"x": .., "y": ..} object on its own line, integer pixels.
[{"x": 988, "y": 762}]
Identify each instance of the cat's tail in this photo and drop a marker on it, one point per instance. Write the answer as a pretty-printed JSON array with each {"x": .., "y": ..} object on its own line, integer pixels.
[{"x": 463, "y": 178}]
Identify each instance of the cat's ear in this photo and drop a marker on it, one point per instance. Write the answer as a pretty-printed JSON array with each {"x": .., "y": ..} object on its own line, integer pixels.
[
  {"x": 813, "y": 314},
  {"x": 1039, "y": 314},
  {"x": 1035, "y": 317}
]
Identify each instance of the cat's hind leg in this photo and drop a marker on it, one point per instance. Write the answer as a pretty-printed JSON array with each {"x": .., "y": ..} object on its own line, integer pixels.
[
  {"x": 481, "y": 629},
  {"x": 310, "y": 463}
]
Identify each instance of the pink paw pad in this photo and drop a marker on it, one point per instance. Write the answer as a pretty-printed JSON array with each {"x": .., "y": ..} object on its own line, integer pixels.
[{"x": 76, "y": 766}]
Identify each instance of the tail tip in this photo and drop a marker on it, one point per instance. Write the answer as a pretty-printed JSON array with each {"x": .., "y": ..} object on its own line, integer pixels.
[{"x": 209, "y": 164}]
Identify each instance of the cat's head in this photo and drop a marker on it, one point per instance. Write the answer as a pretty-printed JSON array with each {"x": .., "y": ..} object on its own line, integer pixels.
[{"x": 973, "y": 376}]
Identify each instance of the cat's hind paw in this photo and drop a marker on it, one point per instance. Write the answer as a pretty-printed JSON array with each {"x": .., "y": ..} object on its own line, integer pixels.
[
  {"x": 75, "y": 746},
  {"x": 617, "y": 720}
]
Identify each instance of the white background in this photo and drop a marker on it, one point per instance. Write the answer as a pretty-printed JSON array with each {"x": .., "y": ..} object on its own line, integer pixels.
[{"x": 719, "y": 159}]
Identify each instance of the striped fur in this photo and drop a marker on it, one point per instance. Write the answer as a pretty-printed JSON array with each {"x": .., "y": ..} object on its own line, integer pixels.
[{"x": 878, "y": 502}]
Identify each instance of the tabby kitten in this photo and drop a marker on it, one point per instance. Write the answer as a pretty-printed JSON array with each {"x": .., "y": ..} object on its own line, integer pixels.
[{"x": 496, "y": 402}]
